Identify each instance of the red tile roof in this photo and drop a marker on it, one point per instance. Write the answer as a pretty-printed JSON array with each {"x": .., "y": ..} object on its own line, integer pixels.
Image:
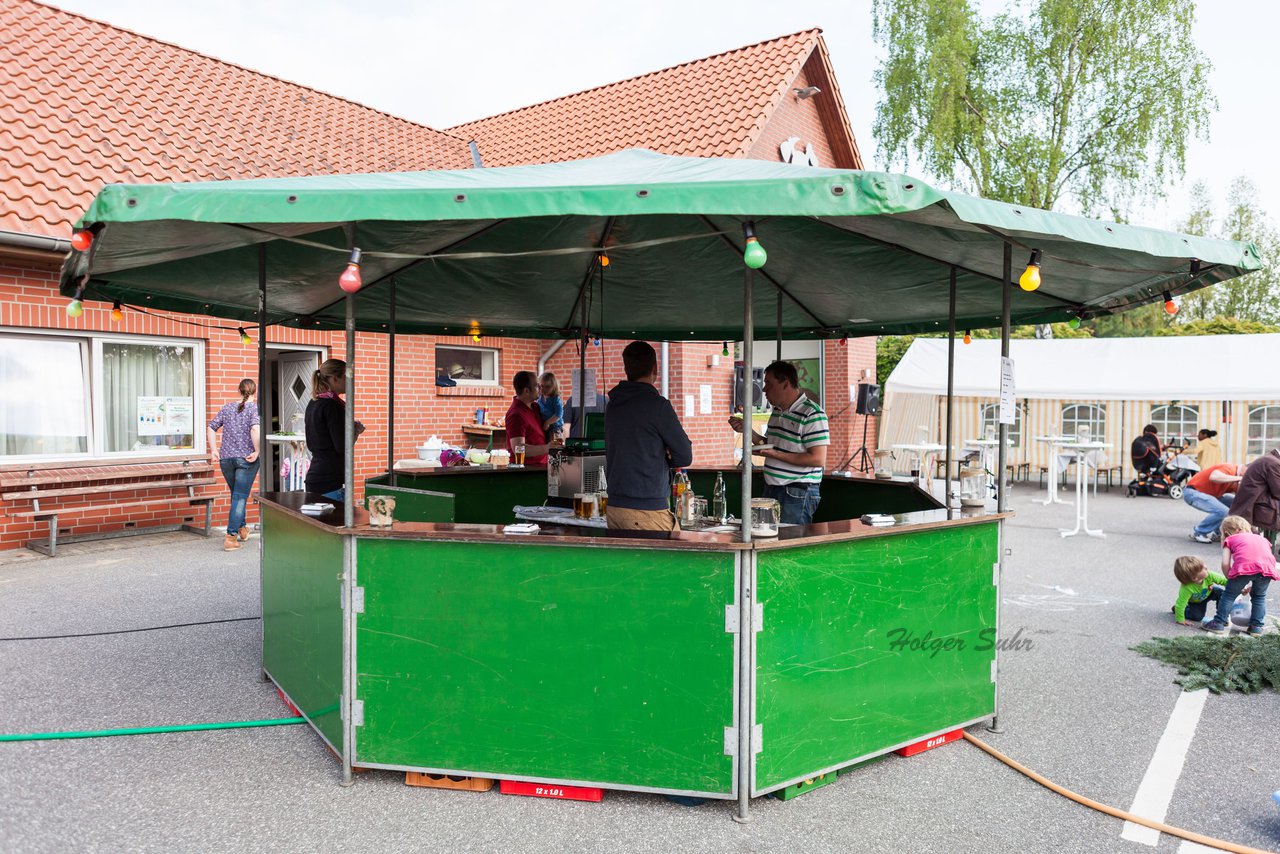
[
  {"x": 713, "y": 107},
  {"x": 83, "y": 104}
]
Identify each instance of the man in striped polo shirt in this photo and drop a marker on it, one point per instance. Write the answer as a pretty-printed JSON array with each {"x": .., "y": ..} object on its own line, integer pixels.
[{"x": 799, "y": 434}]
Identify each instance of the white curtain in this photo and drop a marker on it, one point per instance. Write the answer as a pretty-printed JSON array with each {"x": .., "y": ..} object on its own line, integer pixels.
[
  {"x": 43, "y": 399},
  {"x": 907, "y": 419},
  {"x": 132, "y": 371}
]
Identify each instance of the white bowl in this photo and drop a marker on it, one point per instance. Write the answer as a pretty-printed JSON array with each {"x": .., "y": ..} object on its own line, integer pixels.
[{"x": 432, "y": 454}]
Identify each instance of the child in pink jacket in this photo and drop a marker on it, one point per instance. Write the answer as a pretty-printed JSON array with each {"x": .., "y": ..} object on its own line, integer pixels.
[{"x": 1248, "y": 562}]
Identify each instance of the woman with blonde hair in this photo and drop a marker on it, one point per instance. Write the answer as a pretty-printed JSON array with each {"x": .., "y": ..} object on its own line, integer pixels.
[
  {"x": 326, "y": 430},
  {"x": 238, "y": 457}
]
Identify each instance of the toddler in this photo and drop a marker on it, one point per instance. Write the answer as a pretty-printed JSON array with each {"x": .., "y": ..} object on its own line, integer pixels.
[
  {"x": 1248, "y": 562},
  {"x": 550, "y": 406},
  {"x": 1199, "y": 588}
]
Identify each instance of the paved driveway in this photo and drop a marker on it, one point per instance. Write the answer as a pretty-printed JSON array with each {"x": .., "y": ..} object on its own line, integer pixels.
[{"x": 1079, "y": 707}]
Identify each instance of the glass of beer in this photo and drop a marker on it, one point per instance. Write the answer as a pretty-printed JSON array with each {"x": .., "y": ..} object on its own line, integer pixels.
[
  {"x": 517, "y": 452},
  {"x": 602, "y": 502},
  {"x": 577, "y": 504},
  {"x": 589, "y": 505}
]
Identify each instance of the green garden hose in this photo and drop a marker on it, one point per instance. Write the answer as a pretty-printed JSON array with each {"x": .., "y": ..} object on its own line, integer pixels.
[{"x": 148, "y": 730}]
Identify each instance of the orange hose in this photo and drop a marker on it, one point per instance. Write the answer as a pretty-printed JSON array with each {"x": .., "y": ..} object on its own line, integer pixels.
[{"x": 1112, "y": 811}]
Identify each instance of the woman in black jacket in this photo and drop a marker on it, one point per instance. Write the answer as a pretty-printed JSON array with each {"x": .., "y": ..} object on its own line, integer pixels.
[{"x": 325, "y": 419}]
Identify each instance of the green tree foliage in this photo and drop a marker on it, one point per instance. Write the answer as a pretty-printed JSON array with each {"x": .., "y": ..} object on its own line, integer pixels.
[
  {"x": 1251, "y": 298},
  {"x": 1090, "y": 99},
  {"x": 1237, "y": 663}
]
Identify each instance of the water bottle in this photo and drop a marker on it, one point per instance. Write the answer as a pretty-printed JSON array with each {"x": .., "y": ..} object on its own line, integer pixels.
[{"x": 719, "y": 505}]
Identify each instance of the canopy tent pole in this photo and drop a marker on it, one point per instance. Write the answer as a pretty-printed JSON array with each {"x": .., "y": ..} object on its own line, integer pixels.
[
  {"x": 779, "y": 328},
  {"x": 581, "y": 386},
  {"x": 1006, "y": 298},
  {"x": 391, "y": 384},
  {"x": 349, "y": 549},
  {"x": 1002, "y": 497},
  {"x": 262, "y": 429},
  {"x": 747, "y": 557},
  {"x": 951, "y": 386}
]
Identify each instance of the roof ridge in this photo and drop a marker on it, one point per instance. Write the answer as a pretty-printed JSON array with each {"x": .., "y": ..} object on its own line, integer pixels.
[
  {"x": 239, "y": 67},
  {"x": 815, "y": 32}
]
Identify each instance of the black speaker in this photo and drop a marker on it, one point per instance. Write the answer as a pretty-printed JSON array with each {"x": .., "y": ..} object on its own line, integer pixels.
[
  {"x": 868, "y": 399},
  {"x": 757, "y": 382}
]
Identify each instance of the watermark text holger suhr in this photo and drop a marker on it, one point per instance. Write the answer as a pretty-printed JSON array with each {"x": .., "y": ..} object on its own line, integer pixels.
[{"x": 905, "y": 640}]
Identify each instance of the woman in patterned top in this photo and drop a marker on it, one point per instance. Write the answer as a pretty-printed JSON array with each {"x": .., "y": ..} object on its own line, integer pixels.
[{"x": 238, "y": 457}]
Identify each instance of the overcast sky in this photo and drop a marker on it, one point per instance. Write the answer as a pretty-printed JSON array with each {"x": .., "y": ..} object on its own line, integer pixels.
[{"x": 443, "y": 63}]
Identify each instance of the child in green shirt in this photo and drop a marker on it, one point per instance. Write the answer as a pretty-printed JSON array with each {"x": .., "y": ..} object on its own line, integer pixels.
[{"x": 1199, "y": 587}]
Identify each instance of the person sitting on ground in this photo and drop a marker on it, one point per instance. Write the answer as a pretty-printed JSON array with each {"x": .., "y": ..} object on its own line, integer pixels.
[
  {"x": 1210, "y": 492},
  {"x": 1146, "y": 450},
  {"x": 550, "y": 405},
  {"x": 1207, "y": 452},
  {"x": 1249, "y": 565},
  {"x": 1200, "y": 586}
]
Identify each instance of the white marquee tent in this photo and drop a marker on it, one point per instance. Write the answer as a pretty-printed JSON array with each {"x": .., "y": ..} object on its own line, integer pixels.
[{"x": 1229, "y": 383}]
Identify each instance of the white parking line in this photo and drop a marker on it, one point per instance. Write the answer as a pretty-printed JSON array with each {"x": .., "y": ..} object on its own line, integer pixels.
[
  {"x": 1156, "y": 790},
  {"x": 1189, "y": 847}
]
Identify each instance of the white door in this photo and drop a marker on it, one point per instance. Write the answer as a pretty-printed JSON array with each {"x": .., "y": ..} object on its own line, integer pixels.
[{"x": 293, "y": 379}]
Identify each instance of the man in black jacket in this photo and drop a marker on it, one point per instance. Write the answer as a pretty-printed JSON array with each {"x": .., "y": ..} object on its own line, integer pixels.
[{"x": 643, "y": 443}]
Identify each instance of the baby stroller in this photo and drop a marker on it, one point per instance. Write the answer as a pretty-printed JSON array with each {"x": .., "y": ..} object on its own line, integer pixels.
[{"x": 1165, "y": 478}]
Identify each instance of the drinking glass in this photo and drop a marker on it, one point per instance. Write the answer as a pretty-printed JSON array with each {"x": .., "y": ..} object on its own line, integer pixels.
[{"x": 517, "y": 452}]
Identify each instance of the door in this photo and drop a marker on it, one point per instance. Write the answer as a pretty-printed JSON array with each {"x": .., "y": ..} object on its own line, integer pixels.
[{"x": 291, "y": 380}]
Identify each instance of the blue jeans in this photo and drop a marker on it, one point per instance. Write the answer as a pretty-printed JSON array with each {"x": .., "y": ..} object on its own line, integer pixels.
[
  {"x": 1206, "y": 503},
  {"x": 239, "y": 474},
  {"x": 799, "y": 501},
  {"x": 1258, "y": 597}
]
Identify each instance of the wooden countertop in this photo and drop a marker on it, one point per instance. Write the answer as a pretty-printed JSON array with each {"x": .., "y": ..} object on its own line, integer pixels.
[{"x": 331, "y": 521}]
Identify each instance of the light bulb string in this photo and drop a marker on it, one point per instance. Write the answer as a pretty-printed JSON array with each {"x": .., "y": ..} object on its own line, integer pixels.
[
  {"x": 474, "y": 256},
  {"x": 140, "y": 310}
]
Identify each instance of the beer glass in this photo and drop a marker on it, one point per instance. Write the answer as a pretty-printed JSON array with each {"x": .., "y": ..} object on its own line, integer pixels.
[{"x": 517, "y": 452}]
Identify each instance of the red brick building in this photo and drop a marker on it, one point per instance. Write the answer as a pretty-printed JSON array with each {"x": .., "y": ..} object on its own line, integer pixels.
[{"x": 83, "y": 104}]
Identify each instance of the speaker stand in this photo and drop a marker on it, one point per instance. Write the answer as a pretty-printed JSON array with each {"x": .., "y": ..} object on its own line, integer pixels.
[{"x": 861, "y": 459}]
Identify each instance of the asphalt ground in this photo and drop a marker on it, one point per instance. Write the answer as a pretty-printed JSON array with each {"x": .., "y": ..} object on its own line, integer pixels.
[{"x": 1078, "y": 706}]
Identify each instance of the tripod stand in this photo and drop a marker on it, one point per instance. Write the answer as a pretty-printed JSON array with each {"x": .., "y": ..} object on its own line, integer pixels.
[{"x": 861, "y": 459}]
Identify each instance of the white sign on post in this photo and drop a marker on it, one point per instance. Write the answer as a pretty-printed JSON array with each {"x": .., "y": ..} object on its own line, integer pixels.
[
  {"x": 1008, "y": 403},
  {"x": 588, "y": 388},
  {"x": 704, "y": 398}
]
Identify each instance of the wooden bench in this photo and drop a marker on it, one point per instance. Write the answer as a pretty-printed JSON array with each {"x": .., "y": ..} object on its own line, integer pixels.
[{"x": 91, "y": 484}]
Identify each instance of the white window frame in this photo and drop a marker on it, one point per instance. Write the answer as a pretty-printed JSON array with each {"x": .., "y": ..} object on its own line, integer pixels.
[
  {"x": 1268, "y": 439},
  {"x": 496, "y": 382},
  {"x": 1098, "y": 417},
  {"x": 1162, "y": 422},
  {"x": 989, "y": 416},
  {"x": 91, "y": 352}
]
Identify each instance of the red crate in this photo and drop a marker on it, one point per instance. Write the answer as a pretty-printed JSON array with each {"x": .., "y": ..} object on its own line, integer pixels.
[
  {"x": 930, "y": 743},
  {"x": 551, "y": 790},
  {"x": 285, "y": 700}
]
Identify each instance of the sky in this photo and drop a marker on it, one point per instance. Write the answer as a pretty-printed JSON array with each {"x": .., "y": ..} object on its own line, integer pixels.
[{"x": 442, "y": 64}]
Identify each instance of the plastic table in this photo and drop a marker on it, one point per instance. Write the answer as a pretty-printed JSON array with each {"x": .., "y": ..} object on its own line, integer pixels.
[{"x": 1081, "y": 452}]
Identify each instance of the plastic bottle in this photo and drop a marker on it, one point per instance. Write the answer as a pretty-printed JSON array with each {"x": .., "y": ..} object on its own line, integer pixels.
[{"x": 719, "y": 503}]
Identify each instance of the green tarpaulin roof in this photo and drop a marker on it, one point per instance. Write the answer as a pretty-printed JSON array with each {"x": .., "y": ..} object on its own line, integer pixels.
[{"x": 513, "y": 251}]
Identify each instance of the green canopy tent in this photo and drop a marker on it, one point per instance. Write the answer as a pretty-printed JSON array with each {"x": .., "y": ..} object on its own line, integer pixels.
[
  {"x": 518, "y": 252},
  {"x": 852, "y": 253}
]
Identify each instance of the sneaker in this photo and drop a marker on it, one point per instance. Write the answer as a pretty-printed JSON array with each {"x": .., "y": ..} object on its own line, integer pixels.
[
  {"x": 1215, "y": 628},
  {"x": 1256, "y": 631},
  {"x": 243, "y": 533},
  {"x": 1215, "y": 536},
  {"x": 1201, "y": 538},
  {"x": 230, "y": 544}
]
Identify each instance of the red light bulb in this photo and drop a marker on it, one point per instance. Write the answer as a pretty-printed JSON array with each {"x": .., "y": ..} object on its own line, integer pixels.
[
  {"x": 349, "y": 281},
  {"x": 968, "y": 339},
  {"x": 81, "y": 239},
  {"x": 1170, "y": 307}
]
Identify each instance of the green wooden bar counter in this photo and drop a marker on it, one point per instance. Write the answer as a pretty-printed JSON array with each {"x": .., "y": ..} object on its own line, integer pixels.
[{"x": 590, "y": 657}]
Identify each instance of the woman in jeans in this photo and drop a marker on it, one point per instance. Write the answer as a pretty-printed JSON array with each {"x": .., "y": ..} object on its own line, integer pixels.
[{"x": 238, "y": 457}]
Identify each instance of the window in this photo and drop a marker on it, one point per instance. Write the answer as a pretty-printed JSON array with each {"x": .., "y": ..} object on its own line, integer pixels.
[
  {"x": 1264, "y": 430},
  {"x": 1176, "y": 422},
  {"x": 148, "y": 395},
  {"x": 991, "y": 423},
  {"x": 1085, "y": 416},
  {"x": 89, "y": 396},
  {"x": 467, "y": 365},
  {"x": 44, "y": 396}
]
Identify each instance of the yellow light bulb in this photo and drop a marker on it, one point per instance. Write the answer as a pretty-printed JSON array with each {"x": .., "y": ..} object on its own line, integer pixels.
[{"x": 1030, "y": 278}]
